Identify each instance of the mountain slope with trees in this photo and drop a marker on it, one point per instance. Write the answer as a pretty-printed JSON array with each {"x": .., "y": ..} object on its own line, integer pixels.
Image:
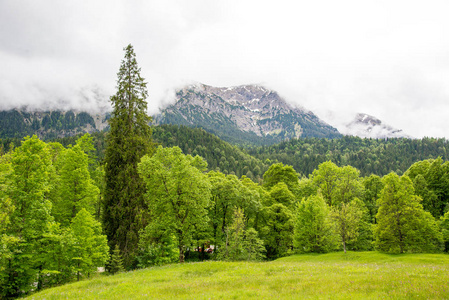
[
  {"x": 370, "y": 156},
  {"x": 18, "y": 123}
]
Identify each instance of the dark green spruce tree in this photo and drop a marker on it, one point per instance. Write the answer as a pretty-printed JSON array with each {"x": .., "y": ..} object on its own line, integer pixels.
[{"x": 129, "y": 138}]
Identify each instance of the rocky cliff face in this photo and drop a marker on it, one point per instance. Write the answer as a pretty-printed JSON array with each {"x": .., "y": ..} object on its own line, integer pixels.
[{"x": 247, "y": 110}]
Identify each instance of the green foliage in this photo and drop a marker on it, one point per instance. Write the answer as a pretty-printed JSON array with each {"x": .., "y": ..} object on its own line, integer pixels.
[
  {"x": 369, "y": 156},
  {"x": 35, "y": 251},
  {"x": 233, "y": 246},
  {"x": 225, "y": 196},
  {"x": 373, "y": 185},
  {"x": 313, "y": 228},
  {"x": 253, "y": 245},
  {"x": 252, "y": 196},
  {"x": 280, "y": 173},
  {"x": 220, "y": 155},
  {"x": 276, "y": 230},
  {"x": 337, "y": 184},
  {"x": 7, "y": 241},
  {"x": 241, "y": 243},
  {"x": 157, "y": 246},
  {"x": 431, "y": 182},
  {"x": 125, "y": 212},
  {"x": 348, "y": 219},
  {"x": 115, "y": 265},
  {"x": 364, "y": 241},
  {"x": 75, "y": 190},
  {"x": 28, "y": 184},
  {"x": 280, "y": 193},
  {"x": 91, "y": 247},
  {"x": 444, "y": 225},
  {"x": 403, "y": 225},
  {"x": 178, "y": 192},
  {"x": 326, "y": 179}
]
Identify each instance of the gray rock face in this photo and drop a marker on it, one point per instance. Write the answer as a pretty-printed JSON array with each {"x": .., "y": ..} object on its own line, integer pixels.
[{"x": 249, "y": 108}]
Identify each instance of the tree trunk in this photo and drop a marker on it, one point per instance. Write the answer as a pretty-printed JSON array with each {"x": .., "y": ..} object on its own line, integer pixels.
[
  {"x": 78, "y": 273},
  {"x": 202, "y": 253},
  {"x": 181, "y": 254}
]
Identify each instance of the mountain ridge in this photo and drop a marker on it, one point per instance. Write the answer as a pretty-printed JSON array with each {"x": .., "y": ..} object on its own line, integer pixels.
[
  {"x": 243, "y": 112},
  {"x": 243, "y": 115}
]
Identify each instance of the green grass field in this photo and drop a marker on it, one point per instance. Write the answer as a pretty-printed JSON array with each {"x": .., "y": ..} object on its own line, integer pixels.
[{"x": 355, "y": 275}]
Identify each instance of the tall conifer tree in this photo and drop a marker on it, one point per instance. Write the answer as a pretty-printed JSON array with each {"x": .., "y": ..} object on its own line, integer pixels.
[{"x": 129, "y": 138}]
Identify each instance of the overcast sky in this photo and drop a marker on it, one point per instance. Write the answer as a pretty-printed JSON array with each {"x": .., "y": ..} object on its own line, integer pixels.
[{"x": 389, "y": 58}]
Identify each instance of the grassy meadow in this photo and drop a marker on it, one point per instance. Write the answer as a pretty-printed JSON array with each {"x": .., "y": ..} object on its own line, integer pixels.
[{"x": 355, "y": 275}]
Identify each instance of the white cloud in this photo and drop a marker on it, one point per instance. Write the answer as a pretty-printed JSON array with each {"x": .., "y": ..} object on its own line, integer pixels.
[{"x": 389, "y": 59}]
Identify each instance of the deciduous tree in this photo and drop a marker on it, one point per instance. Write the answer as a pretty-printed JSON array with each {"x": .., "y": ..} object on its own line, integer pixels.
[
  {"x": 281, "y": 173},
  {"x": 313, "y": 228},
  {"x": 31, "y": 218},
  {"x": 402, "y": 224},
  {"x": 277, "y": 230},
  {"x": 348, "y": 220},
  {"x": 178, "y": 192},
  {"x": 91, "y": 247},
  {"x": 76, "y": 189}
]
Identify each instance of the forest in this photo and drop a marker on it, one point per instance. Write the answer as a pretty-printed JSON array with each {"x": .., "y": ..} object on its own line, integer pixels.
[
  {"x": 154, "y": 196},
  {"x": 369, "y": 156},
  {"x": 53, "y": 204}
]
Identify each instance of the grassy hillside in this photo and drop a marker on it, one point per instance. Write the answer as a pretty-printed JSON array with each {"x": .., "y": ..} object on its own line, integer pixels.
[{"x": 356, "y": 275}]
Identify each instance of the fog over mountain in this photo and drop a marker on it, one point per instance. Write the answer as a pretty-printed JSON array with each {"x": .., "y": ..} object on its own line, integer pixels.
[
  {"x": 240, "y": 114},
  {"x": 367, "y": 126},
  {"x": 389, "y": 59}
]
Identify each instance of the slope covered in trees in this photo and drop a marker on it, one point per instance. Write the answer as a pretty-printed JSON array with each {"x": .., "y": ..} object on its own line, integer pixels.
[
  {"x": 370, "y": 156},
  {"x": 219, "y": 154},
  {"x": 45, "y": 124}
]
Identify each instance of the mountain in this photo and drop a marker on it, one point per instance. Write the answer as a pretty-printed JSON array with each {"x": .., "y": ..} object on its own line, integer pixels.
[
  {"x": 18, "y": 123},
  {"x": 247, "y": 114},
  {"x": 364, "y": 125}
]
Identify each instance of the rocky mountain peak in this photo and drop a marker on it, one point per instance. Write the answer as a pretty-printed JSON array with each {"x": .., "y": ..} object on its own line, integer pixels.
[
  {"x": 364, "y": 125},
  {"x": 249, "y": 109}
]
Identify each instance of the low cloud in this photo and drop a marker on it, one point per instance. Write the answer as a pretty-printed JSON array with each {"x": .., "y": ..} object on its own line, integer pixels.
[{"x": 386, "y": 58}]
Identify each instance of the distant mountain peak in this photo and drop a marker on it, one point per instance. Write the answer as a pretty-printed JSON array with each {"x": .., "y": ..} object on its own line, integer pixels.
[{"x": 367, "y": 126}]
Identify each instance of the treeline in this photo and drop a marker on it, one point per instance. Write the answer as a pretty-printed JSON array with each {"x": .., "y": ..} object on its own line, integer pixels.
[
  {"x": 370, "y": 156},
  {"x": 220, "y": 155}
]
